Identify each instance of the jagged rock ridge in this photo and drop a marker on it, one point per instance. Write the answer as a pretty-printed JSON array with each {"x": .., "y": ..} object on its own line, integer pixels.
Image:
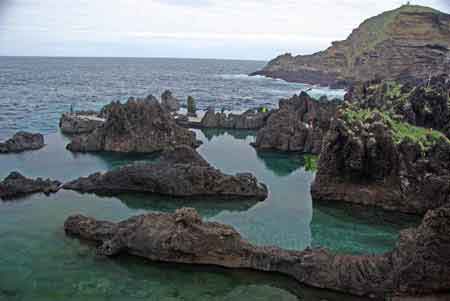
[
  {"x": 298, "y": 125},
  {"x": 419, "y": 264},
  {"x": 139, "y": 126},
  {"x": 180, "y": 172}
]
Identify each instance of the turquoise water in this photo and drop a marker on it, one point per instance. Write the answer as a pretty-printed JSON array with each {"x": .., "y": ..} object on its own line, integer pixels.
[{"x": 38, "y": 262}]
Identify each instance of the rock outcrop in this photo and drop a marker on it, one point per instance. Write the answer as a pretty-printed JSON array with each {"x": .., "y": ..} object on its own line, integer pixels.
[
  {"x": 252, "y": 119},
  {"x": 22, "y": 141},
  {"x": 80, "y": 122},
  {"x": 170, "y": 102},
  {"x": 297, "y": 126},
  {"x": 404, "y": 44},
  {"x": 372, "y": 158},
  {"x": 16, "y": 185},
  {"x": 419, "y": 264},
  {"x": 139, "y": 126},
  {"x": 180, "y": 172},
  {"x": 425, "y": 104}
]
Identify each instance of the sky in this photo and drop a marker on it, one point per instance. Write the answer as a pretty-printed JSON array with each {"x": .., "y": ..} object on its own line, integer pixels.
[{"x": 231, "y": 29}]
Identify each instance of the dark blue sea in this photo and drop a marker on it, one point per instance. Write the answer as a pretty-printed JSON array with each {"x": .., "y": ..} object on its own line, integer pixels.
[{"x": 34, "y": 91}]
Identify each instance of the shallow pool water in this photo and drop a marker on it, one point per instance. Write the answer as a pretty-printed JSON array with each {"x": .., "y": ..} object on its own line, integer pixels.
[{"x": 38, "y": 262}]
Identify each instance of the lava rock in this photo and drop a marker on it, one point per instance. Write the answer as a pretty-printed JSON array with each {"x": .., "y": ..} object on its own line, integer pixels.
[
  {"x": 138, "y": 126},
  {"x": 252, "y": 119},
  {"x": 180, "y": 172},
  {"x": 361, "y": 162},
  {"x": 22, "y": 141},
  {"x": 80, "y": 122},
  {"x": 297, "y": 126},
  {"x": 170, "y": 102},
  {"x": 16, "y": 185},
  {"x": 419, "y": 264}
]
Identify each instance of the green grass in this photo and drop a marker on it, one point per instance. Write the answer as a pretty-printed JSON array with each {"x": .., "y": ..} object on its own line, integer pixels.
[
  {"x": 400, "y": 130},
  {"x": 310, "y": 162},
  {"x": 375, "y": 30}
]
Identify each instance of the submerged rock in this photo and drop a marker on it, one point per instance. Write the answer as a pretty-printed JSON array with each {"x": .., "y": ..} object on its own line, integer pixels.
[
  {"x": 180, "y": 172},
  {"x": 16, "y": 185},
  {"x": 419, "y": 264},
  {"x": 170, "y": 102},
  {"x": 249, "y": 120},
  {"x": 80, "y": 122},
  {"x": 140, "y": 126},
  {"x": 22, "y": 141},
  {"x": 371, "y": 158},
  {"x": 297, "y": 126}
]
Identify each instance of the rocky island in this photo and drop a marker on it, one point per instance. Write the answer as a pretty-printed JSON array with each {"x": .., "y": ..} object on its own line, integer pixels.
[
  {"x": 407, "y": 43},
  {"x": 298, "y": 125},
  {"x": 419, "y": 264},
  {"x": 16, "y": 185},
  {"x": 179, "y": 172},
  {"x": 22, "y": 141},
  {"x": 138, "y": 126}
]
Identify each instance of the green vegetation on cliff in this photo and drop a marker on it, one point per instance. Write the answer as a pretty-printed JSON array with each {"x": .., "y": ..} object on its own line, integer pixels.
[
  {"x": 400, "y": 130},
  {"x": 376, "y": 29}
]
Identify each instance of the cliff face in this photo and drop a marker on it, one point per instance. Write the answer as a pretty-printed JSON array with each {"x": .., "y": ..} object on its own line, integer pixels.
[{"x": 408, "y": 43}]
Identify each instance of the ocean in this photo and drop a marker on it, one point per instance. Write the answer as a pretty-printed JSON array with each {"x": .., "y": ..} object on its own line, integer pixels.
[{"x": 35, "y": 91}]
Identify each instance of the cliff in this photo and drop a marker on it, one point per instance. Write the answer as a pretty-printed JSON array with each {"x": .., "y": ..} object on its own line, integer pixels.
[{"x": 408, "y": 43}]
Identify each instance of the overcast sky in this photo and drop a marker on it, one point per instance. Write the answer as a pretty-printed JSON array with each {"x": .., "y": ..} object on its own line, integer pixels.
[{"x": 241, "y": 29}]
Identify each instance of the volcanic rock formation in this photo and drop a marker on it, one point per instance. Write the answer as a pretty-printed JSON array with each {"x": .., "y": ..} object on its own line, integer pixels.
[
  {"x": 249, "y": 120},
  {"x": 16, "y": 185},
  {"x": 139, "y": 126},
  {"x": 170, "y": 102},
  {"x": 83, "y": 122},
  {"x": 298, "y": 125},
  {"x": 22, "y": 141},
  {"x": 180, "y": 172},
  {"x": 373, "y": 158},
  {"x": 419, "y": 264}
]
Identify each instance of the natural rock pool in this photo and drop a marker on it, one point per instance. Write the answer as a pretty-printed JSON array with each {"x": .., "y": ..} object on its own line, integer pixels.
[{"x": 38, "y": 262}]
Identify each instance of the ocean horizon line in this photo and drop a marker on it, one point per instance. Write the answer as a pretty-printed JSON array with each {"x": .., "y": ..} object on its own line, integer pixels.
[{"x": 129, "y": 57}]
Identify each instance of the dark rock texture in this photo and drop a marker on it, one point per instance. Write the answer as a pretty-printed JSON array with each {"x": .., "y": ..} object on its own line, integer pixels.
[
  {"x": 297, "y": 126},
  {"x": 376, "y": 160},
  {"x": 420, "y": 263},
  {"x": 249, "y": 120},
  {"x": 80, "y": 122},
  {"x": 16, "y": 185},
  {"x": 170, "y": 102},
  {"x": 22, "y": 141},
  {"x": 180, "y": 172},
  {"x": 424, "y": 104},
  {"x": 404, "y": 44},
  {"x": 140, "y": 126}
]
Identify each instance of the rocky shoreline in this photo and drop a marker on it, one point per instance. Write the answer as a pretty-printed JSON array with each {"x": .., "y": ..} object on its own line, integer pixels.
[
  {"x": 183, "y": 237},
  {"x": 386, "y": 146},
  {"x": 375, "y": 154},
  {"x": 381, "y": 47}
]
